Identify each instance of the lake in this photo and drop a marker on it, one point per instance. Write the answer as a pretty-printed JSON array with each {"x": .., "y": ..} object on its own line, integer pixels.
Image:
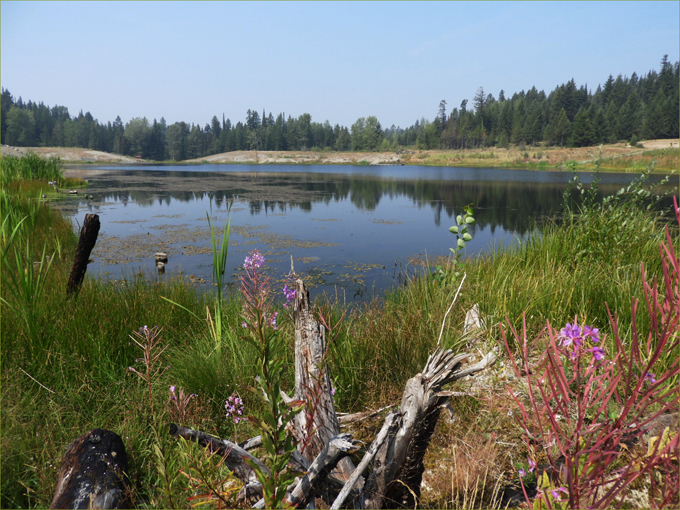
[{"x": 353, "y": 231}]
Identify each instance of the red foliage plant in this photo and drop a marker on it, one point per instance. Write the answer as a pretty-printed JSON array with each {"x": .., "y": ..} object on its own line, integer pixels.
[{"x": 587, "y": 412}]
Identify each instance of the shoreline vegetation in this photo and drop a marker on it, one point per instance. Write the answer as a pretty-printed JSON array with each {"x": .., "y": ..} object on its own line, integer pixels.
[
  {"x": 619, "y": 157},
  {"x": 72, "y": 364}
]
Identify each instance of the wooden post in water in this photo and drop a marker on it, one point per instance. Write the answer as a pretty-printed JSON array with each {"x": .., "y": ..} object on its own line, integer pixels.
[{"x": 88, "y": 238}]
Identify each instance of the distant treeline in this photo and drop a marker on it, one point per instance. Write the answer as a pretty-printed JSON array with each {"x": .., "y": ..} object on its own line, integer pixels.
[{"x": 623, "y": 109}]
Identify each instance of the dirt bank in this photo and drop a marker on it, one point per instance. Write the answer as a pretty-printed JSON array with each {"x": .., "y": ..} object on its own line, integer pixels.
[
  {"x": 551, "y": 157},
  {"x": 70, "y": 154}
]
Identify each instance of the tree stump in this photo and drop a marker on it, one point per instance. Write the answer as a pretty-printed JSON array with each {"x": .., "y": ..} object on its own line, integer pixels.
[
  {"x": 92, "y": 473},
  {"x": 88, "y": 238},
  {"x": 318, "y": 423}
]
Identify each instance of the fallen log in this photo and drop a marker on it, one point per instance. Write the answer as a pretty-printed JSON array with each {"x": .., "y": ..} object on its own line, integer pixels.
[
  {"x": 93, "y": 473},
  {"x": 235, "y": 456},
  {"x": 338, "y": 448},
  {"x": 86, "y": 242}
]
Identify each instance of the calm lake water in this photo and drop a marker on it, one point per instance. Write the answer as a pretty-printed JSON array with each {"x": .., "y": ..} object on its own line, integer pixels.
[{"x": 353, "y": 231}]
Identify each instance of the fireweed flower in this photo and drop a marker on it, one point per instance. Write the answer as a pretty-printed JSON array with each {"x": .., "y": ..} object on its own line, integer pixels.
[
  {"x": 592, "y": 333},
  {"x": 289, "y": 294},
  {"x": 598, "y": 353},
  {"x": 254, "y": 261},
  {"x": 272, "y": 320},
  {"x": 571, "y": 335},
  {"x": 234, "y": 407},
  {"x": 575, "y": 336},
  {"x": 556, "y": 493}
]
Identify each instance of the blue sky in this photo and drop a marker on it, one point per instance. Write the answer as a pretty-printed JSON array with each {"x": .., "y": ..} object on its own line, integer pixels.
[{"x": 337, "y": 61}]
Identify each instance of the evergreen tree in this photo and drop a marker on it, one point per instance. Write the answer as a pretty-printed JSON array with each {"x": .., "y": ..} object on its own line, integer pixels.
[
  {"x": 20, "y": 127},
  {"x": 583, "y": 133},
  {"x": 6, "y": 102}
]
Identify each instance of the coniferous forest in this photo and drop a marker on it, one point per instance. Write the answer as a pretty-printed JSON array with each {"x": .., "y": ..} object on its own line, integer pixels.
[{"x": 624, "y": 108}]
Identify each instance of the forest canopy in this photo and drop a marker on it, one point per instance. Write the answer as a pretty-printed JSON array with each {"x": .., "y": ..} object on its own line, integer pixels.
[{"x": 624, "y": 108}]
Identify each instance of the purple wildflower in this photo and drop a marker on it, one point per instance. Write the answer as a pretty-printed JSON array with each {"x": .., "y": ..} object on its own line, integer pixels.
[
  {"x": 522, "y": 473},
  {"x": 650, "y": 378},
  {"x": 556, "y": 493},
  {"x": 593, "y": 333},
  {"x": 598, "y": 353},
  {"x": 244, "y": 324},
  {"x": 571, "y": 334},
  {"x": 234, "y": 407},
  {"x": 289, "y": 293},
  {"x": 272, "y": 320},
  {"x": 532, "y": 466},
  {"x": 254, "y": 261}
]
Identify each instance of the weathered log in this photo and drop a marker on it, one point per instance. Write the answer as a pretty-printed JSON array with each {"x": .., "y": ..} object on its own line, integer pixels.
[
  {"x": 397, "y": 472},
  {"x": 388, "y": 429},
  {"x": 318, "y": 423},
  {"x": 93, "y": 473},
  {"x": 338, "y": 448},
  {"x": 235, "y": 456},
  {"x": 86, "y": 242}
]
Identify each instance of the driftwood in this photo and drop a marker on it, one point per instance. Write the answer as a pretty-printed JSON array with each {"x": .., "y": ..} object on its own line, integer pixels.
[
  {"x": 86, "y": 242},
  {"x": 92, "y": 473}
]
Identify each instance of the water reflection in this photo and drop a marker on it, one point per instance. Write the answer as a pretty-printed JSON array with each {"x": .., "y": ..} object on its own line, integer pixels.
[{"x": 339, "y": 222}]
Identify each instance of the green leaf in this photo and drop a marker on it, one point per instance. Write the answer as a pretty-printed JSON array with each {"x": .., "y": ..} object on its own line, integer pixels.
[
  {"x": 461, "y": 243},
  {"x": 453, "y": 230},
  {"x": 470, "y": 220},
  {"x": 459, "y": 219},
  {"x": 467, "y": 237}
]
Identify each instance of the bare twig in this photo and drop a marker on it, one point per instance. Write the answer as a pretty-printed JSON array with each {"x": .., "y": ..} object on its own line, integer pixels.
[{"x": 439, "y": 340}]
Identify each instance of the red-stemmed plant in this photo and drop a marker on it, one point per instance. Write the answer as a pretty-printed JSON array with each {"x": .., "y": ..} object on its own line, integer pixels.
[{"x": 588, "y": 409}]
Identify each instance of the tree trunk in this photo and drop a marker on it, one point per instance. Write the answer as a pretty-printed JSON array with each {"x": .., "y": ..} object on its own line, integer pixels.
[{"x": 88, "y": 238}]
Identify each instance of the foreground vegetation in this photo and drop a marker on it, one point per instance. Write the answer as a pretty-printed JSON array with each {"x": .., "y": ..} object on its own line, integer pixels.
[{"x": 69, "y": 365}]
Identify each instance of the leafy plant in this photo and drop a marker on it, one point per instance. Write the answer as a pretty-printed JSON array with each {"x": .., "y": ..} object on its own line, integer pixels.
[
  {"x": 463, "y": 236},
  {"x": 261, "y": 327},
  {"x": 587, "y": 412},
  {"x": 149, "y": 341},
  {"x": 211, "y": 483}
]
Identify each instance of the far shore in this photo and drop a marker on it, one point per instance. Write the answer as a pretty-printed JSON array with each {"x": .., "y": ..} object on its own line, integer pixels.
[{"x": 619, "y": 157}]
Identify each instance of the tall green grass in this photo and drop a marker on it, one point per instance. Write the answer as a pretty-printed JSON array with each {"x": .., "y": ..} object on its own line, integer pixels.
[{"x": 30, "y": 167}]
